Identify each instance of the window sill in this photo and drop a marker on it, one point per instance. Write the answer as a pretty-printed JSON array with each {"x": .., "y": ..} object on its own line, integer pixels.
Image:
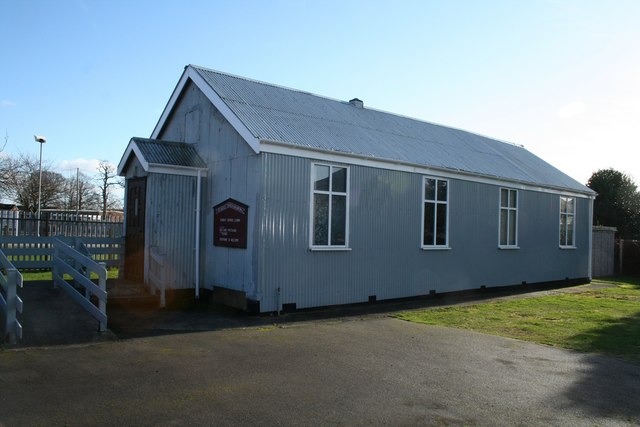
[
  {"x": 329, "y": 248},
  {"x": 508, "y": 248},
  {"x": 435, "y": 248},
  {"x": 568, "y": 247}
]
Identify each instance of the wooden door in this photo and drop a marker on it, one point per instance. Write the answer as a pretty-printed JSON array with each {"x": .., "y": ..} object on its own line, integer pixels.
[{"x": 134, "y": 236}]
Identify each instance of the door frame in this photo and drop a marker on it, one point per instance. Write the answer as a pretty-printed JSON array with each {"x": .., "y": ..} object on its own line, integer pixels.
[{"x": 141, "y": 264}]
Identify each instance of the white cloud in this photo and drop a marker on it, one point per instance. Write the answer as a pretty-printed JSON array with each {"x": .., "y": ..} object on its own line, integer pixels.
[
  {"x": 86, "y": 166},
  {"x": 570, "y": 110},
  {"x": 5, "y": 103}
]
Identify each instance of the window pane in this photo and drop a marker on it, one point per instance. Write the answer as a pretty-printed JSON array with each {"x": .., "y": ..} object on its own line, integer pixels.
[
  {"x": 338, "y": 220},
  {"x": 504, "y": 197},
  {"x": 512, "y": 227},
  {"x": 563, "y": 204},
  {"x": 570, "y": 231},
  {"x": 321, "y": 177},
  {"x": 339, "y": 180},
  {"x": 503, "y": 226},
  {"x": 429, "y": 189},
  {"x": 513, "y": 198},
  {"x": 320, "y": 219},
  {"x": 441, "y": 226},
  {"x": 563, "y": 230},
  {"x": 429, "y": 219},
  {"x": 442, "y": 191},
  {"x": 571, "y": 205}
]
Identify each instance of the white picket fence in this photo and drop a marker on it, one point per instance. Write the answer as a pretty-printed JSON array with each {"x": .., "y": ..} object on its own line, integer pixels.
[
  {"x": 10, "y": 223},
  {"x": 60, "y": 223}
]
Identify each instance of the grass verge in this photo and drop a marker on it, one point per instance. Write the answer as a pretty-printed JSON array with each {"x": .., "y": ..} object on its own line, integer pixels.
[
  {"x": 603, "y": 317},
  {"x": 28, "y": 276}
]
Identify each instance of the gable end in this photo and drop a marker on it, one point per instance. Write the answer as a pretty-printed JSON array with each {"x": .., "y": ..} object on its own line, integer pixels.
[{"x": 192, "y": 75}]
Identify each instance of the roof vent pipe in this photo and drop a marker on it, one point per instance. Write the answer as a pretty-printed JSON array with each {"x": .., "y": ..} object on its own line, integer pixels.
[{"x": 357, "y": 103}]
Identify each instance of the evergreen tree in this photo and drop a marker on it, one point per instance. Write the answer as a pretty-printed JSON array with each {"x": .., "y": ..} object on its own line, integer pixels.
[{"x": 617, "y": 203}]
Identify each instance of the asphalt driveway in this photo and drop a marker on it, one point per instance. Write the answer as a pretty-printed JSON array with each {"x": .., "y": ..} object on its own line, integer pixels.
[{"x": 370, "y": 370}]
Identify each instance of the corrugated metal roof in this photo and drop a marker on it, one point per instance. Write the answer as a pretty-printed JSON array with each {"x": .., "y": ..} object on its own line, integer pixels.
[
  {"x": 280, "y": 114},
  {"x": 169, "y": 153}
]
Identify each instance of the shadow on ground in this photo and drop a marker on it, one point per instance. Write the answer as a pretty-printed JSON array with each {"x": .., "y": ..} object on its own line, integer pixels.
[
  {"x": 605, "y": 377},
  {"x": 133, "y": 320},
  {"x": 51, "y": 317}
]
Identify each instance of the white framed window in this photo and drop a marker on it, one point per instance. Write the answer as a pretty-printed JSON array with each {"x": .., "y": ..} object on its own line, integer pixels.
[
  {"x": 508, "y": 218},
  {"x": 329, "y": 206},
  {"x": 435, "y": 213},
  {"x": 567, "y": 221}
]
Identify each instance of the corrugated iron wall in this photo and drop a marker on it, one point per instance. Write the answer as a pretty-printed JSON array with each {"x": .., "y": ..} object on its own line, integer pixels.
[
  {"x": 172, "y": 201},
  {"x": 237, "y": 178},
  {"x": 385, "y": 258},
  {"x": 604, "y": 251},
  {"x": 233, "y": 172}
]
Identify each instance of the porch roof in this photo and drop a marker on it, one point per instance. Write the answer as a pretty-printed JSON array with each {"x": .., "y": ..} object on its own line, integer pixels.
[{"x": 156, "y": 156}]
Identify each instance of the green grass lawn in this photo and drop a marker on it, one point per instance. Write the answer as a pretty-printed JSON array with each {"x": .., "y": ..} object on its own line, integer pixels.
[
  {"x": 28, "y": 276},
  {"x": 603, "y": 317}
]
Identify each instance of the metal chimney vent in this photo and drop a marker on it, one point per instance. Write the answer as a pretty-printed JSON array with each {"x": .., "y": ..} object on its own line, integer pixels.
[{"x": 357, "y": 103}]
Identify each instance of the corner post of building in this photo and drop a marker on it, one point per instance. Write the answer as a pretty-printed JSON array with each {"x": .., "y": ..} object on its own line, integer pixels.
[
  {"x": 590, "y": 237},
  {"x": 198, "y": 219}
]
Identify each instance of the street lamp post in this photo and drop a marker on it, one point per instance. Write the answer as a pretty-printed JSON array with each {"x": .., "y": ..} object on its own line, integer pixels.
[{"x": 41, "y": 139}]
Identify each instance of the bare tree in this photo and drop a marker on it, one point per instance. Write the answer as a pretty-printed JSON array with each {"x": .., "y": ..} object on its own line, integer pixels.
[
  {"x": 6, "y": 174},
  {"x": 107, "y": 180},
  {"x": 23, "y": 184},
  {"x": 7, "y": 169},
  {"x": 80, "y": 193}
]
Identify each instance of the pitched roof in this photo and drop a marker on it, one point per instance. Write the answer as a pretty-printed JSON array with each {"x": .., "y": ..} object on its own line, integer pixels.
[
  {"x": 268, "y": 113},
  {"x": 163, "y": 156}
]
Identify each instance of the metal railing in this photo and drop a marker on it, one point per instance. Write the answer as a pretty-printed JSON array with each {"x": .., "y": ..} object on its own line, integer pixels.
[
  {"x": 157, "y": 274},
  {"x": 67, "y": 260},
  {"x": 56, "y": 223},
  {"x": 10, "y": 302}
]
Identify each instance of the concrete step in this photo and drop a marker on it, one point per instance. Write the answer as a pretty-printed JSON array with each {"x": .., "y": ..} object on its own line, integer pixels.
[{"x": 129, "y": 293}]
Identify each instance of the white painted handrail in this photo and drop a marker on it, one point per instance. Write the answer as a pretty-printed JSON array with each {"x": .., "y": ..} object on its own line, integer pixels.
[
  {"x": 10, "y": 302},
  {"x": 79, "y": 267}
]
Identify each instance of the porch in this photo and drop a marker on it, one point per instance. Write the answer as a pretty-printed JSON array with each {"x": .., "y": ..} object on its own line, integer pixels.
[
  {"x": 67, "y": 289},
  {"x": 69, "y": 314},
  {"x": 51, "y": 317}
]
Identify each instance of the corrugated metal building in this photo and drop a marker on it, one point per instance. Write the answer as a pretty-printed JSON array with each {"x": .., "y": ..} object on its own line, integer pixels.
[{"x": 329, "y": 202}]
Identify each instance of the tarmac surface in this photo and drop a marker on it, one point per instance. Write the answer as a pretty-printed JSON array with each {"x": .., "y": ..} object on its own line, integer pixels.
[{"x": 352, "y": 367}]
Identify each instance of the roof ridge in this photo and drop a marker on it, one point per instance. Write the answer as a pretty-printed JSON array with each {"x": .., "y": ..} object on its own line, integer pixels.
[
  {"x": 343, "y": 102},
  {"x": 269, "y": 112},
  {"x": 401, "y": 135},
  {"x": 262, "y": 82}
]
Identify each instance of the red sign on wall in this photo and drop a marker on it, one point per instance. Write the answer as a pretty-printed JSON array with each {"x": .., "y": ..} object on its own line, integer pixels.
[{"x": 230, "y": 224}]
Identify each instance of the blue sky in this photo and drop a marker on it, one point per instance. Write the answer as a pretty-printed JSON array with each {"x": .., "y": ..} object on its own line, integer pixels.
[{"x": 561, "y": 78}]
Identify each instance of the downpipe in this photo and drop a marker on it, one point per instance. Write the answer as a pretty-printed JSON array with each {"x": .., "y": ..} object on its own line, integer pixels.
[{"x": 197, "y": 231}]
